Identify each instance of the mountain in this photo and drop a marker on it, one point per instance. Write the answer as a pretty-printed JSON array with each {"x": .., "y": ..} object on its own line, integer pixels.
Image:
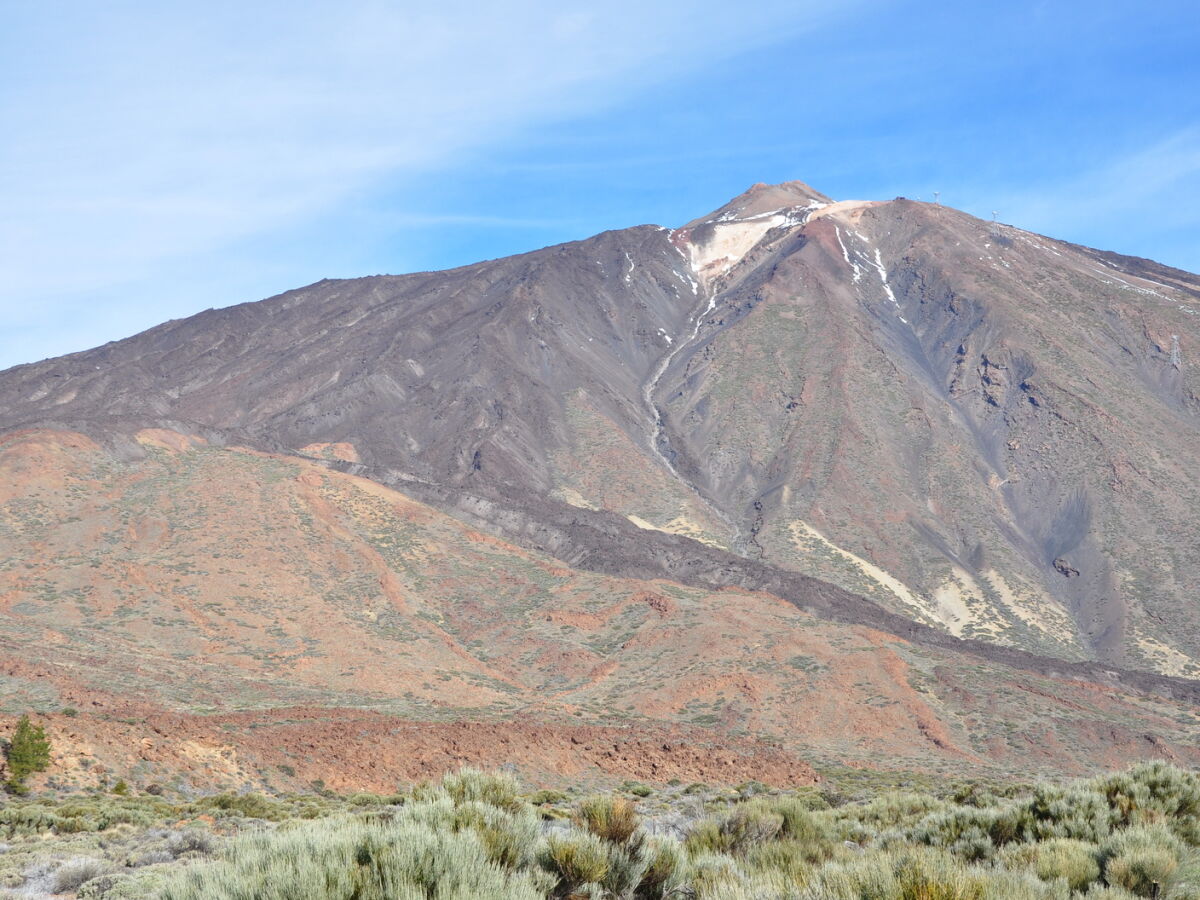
[{"x": 796, "y": 457}]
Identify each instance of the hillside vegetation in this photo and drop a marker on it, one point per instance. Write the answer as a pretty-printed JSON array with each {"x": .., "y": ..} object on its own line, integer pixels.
[{"x": 476, "y": 835}]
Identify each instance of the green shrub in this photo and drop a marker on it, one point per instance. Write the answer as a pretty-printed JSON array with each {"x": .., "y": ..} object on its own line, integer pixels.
[
  {"x": 789, "y": 861},
  {"x": 666, "y": 870},
  {"x": 1139, "y": 857},
  {"x": 103, "y": 887},
  {"x": 803, "y": 827},
  {"x": 746, "y": 826},
  {"x": 75, "y": 872},
  {"x": 542, "y": 797},
  {"x": 27, "y": 752},
  {"x": 923, "y": 874},
  {"x": 576, "y": 859},
  {"x": 715, "y": 875},
  {"x": 341, "y": 858},
  {"x": 1075, "y": 861},
  {"x": 612, "y": 818},
  {"x": 627, "y": 863},
  {"x": 251, "y": 805},
  {"x": 493, "y": 788}
]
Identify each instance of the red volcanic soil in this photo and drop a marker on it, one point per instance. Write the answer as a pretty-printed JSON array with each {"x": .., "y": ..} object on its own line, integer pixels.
[{"x": 354, "y": 750}]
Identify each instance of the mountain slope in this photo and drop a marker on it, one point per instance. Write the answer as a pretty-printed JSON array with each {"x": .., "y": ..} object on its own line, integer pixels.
[
  {"x": 990, "y": 417},
  {"x": 216, "y": 613},
  {"x": 977, "y": 427}
]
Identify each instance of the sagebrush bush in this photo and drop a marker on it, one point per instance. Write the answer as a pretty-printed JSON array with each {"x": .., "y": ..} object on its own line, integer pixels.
[
  {"x": 493, "y": 788},
  {"x": 1139, "y": 857},
  {"x": 666, "y": 869},
  {"x": 746, "y": 826},
  {"x": 923, "y": 874},
  {"x": 76, "y": 872},
  {"x": 190, "y": 840},
  {"x": 472, "y": 835},
  {"x": 1075, "y": 861},
  {"x": 610, "y": 817},
  {"x": 251, "y": 805},
  {"x": 341, "y": 858},
  {"x": 576, "y": 859}
]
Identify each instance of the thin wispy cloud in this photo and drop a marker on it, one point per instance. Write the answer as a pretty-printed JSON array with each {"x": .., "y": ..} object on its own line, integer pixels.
[
  {"x": 1127, "y": 202},
  {"x": 138, "y": 134},
  {"x": 161, "y": 158}
]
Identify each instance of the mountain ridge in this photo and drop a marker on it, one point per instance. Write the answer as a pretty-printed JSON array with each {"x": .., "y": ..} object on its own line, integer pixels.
[{"x": 890, "y": 416}]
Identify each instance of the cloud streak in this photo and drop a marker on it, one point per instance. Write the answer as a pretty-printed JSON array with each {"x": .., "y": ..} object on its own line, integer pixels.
[
  {"x": 139, "y": 134},
  {"x": 1140, "y": 201}
]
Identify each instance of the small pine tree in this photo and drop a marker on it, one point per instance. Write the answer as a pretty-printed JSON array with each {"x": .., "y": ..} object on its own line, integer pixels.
[{"x": 27, "y": 752}]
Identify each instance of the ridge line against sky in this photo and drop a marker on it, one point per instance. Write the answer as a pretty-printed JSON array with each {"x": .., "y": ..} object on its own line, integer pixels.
[{"x": 162, "y": 160}]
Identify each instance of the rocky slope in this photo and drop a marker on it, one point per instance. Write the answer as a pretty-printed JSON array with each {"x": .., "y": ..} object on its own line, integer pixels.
[
  {"x": 976, "y": 439},
  {"x": 220, "y": 617}
]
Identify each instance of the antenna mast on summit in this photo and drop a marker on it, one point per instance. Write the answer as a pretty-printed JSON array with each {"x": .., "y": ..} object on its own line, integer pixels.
[
  {"x": 936, "y": 194},
  {"x": 1175, "y": 360},
  {"x": 995, "y": 229}
]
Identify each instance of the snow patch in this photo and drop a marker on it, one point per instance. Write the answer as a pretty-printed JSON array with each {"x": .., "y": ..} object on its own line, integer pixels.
[
  {"x": 887, "y": 288},
  {"x": 846, "y": 255},
  {"x": 729, "y": 244}
]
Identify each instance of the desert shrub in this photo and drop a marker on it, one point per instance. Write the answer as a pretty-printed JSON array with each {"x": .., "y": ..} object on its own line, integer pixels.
[
  {"x": 510, "y": 839},
  {"x": 893, "y": 810},
  {"x": 75, "y": 872},
  {"x": 190, "y": 840},
  {"x": 706, "y": 837},
  {"x": 84, "y": 815},
  {"x": 752, "y": 788},
  {"x": 627, "y": 863},
  {"x": 610, "y": 817},
  {"x": 103, "y": 887},
  {"x": 1106, "y": 892},
  {"x": 342, "y": 858},
  {"x": 715, "y": 875},
  {"x": 810, "y": 798},
  {"x": 493, "y": 788},
  {"x": 1155, "y": 792},
  {"x": 18, "y": 820},
  {"x": 250, "y": 805},
  {"x": 542, "y": 797},
  {"x": 975, "y": 833},
  {"x": 576, "y": 859},
  {"x": 1072, "y": 812},
  {"x": 802, "y": 826},
  {"x": 666, "y": 869},
  {"x": 1141, "y": 856},
  {"x": 1075, "y": 861},
  {"x": 923, "y": 874},
  {"x": 788, "y": 861},
  {"x": 746, "y": 825}
]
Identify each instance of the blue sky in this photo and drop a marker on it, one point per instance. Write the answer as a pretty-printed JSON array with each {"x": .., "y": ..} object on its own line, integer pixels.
[{"x": 160, "y": 159}]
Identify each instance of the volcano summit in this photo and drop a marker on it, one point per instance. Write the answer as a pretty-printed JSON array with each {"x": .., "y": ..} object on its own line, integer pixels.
[{"x": 839, "y": 478}]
